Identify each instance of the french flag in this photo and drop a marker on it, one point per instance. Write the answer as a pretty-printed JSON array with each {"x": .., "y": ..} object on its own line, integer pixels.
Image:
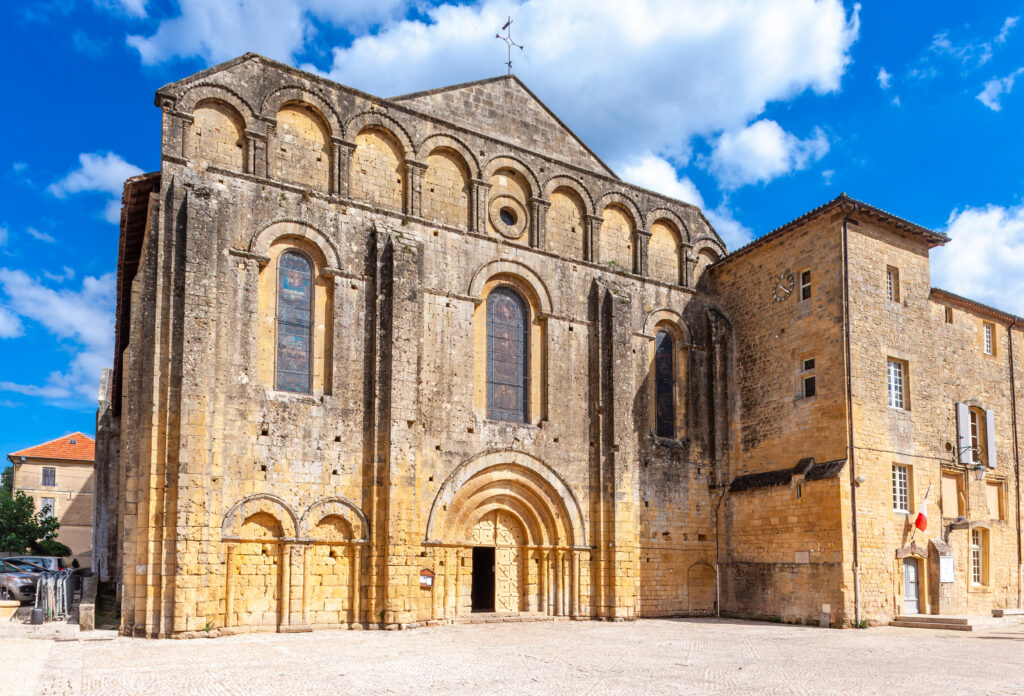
[{"x": 921, "y": 522}]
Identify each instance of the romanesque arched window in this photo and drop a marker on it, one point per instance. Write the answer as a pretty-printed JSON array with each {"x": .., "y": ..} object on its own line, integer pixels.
[
  {"x": 507, "y": 367},
  {"x": 294, "y": 322},
  {"x": 664, "y": 386}
]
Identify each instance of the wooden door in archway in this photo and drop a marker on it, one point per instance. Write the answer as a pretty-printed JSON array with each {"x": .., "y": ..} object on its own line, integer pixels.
[{"x": 503, "y": 531}]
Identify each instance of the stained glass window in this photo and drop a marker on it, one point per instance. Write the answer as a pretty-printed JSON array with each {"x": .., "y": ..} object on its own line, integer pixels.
[
  {"x": 294, "y": 322},
  {"x": 664, "y": 386},
  {"x": 507, "y": 372}
]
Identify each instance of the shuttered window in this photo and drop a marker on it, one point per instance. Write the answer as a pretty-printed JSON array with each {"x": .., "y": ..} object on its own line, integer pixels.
[{"x": 49, "y": 476}]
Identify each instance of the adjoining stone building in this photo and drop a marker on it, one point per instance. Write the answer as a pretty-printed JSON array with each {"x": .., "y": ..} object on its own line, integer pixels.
[
  {"x": 393, "y": 361},
  {"x": 58, "y": 476}
]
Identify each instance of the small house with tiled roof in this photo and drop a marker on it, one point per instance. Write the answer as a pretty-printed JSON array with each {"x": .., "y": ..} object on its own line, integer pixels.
[{"x": 58, "y": 475}]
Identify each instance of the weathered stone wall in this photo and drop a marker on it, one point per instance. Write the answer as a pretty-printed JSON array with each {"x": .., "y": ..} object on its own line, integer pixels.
[
  {"x": 781, "y": 534},
  {"x": 946, "y": 365},
  {"x": 393, "y": 437}
]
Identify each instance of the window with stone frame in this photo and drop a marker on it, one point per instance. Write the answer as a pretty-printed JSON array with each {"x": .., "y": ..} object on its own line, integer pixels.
[
  {"x": 664, "y": 385},
  {"x": 995, "y": 499},
  {"x": 48, "y": 507},
  {"x": 900, "y": 488},
  {"x": 508, "y": 339},
  {"x": 896, "y": 377},
  {"x": 293, "y": 365},
  {"x": 49, "y": 476},
  {"x": 988, "y": 337},
  {"x": 805, "y": 285},
  {"x": 892, "y": 283},
  {"x": 979, "y": 436},
  {"x": 979, "y": 557},
  {"x": 808, "y": 378}
]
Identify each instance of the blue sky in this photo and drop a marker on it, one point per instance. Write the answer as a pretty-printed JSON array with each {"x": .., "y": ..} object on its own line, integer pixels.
[{"x": 757, "y": 111}]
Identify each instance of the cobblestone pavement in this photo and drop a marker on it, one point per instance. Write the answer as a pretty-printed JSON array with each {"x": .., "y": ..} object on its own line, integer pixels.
[{"x": 670, "y": 656}]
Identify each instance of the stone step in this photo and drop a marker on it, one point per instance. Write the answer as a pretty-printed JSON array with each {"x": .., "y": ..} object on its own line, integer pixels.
[
  {"x": 933, "y": 618},
  {"x": 932, "y": 625},
  {"x": 998, "y": 613}
]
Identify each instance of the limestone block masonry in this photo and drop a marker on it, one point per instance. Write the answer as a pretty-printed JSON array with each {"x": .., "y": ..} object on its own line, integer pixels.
[{"x": 385, "y": 363}]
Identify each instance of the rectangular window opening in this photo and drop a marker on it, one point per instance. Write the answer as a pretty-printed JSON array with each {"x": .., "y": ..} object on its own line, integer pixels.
[
  {"x": 808, "y": 380},
  {"x": 989, "y": 336},
  {"x": 805, "y": 285},
  {"x": 949, "y": 315},
  {"x": 900, "y": 488},
  {"x": 897, "y": 379},
  {"x": 892, "y": 283},
  {"x": 977, "y": 558},
  {"x": 49, "y": 476},
  {"x": 48, "y": 506}
]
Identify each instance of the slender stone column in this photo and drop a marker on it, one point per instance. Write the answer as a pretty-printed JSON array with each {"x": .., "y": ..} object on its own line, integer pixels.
[
  {"x": 559, "y": 580},
  {"x": 593, "y": 240},
  {"x": 355, "y": 580},
  {"x": 414, "y": 187},
  {"x": 543, "y": 580},
  {"x": 478, "y": 205},
  {"x": 342, "y": 165},
  {"x": 284, "y": 602},
  {"x": 640, "y": 262},
  {"x": 538, "y": 218},
  {"x": 306, "y": 589},
  {"x": 229, "y": 586},
  {"x": 574, "y": 590}
]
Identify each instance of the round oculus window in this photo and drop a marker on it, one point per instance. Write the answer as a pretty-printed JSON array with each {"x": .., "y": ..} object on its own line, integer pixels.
[{"x": 508, "y": 216}]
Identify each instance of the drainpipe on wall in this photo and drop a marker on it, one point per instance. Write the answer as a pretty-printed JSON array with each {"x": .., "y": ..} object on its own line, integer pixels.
[
  {"x": 849, "y": 419},
  {"x": 1016, "y": 459}
]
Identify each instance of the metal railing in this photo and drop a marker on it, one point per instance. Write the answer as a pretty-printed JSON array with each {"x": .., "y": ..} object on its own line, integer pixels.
[{"x": 54, "y": 594}]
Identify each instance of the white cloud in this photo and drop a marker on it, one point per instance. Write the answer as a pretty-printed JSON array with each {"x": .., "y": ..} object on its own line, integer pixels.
[
  {"x": 10, "y": 324},
  {"x": 826, "y": 176},
  {"x": 216, "y": 30},
  {"x": 65, "y": 274},
  {"x": 996, "y": 88},
  {"x": 41, "y": 236},
  {"x": 884, "y": 78},
  {"x": 896, "y": 101},
  {"x": 661, "y": 176},
  {"x": 103, "y": 173},
  {"x": 984, "y": 258},
  {"x": 84, "y": 318},
  {"x": 96, "y": 172},
  {"x": 644, "y": 76},
  {"x": 132, "y": 8},
  {"x": 1008, "y": 24},
  {"x": 761, "y": 152}
]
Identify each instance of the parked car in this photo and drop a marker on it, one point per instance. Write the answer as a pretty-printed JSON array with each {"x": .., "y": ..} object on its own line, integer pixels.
[
  {"x": 50, "y": 563},
  {"x": 26, "y": 566},
  {"x": 16, "y": 584}
]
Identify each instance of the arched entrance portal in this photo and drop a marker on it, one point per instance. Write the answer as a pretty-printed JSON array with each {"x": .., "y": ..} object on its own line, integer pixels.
[{"x": 507, "y": 527}]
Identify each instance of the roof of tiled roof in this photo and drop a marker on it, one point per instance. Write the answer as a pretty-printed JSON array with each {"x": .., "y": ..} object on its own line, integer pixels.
[
  {"x": 940, "y": 294},
  {"x": 77, "y": 447},
  {"x": 842, "y": 200}
]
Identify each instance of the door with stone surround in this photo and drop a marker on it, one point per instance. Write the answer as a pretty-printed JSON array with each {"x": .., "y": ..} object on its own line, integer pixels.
[
  {"x": 502, "y": 531},
  {"x": 910, "y": 586}
]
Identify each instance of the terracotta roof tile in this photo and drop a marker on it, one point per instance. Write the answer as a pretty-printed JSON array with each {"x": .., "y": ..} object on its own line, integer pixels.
[{"x": 77, "y": 447}]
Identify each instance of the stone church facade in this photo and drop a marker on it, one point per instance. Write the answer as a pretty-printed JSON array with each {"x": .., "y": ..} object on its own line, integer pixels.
[{"x": 396, "y": 362}]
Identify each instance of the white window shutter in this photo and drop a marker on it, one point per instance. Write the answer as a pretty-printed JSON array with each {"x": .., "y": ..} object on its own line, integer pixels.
[
  {"x": 963, "y": 431},
  {"x": 990, "y": 437}
]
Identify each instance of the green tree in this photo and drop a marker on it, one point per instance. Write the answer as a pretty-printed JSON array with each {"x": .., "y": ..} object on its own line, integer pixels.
[
  {"x": 23, "y": 529},
  {"x": 7, "y": 481}
]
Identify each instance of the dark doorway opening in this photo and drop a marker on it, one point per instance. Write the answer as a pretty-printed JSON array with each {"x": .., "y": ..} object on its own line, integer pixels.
[{"x": 482, "y": 594}]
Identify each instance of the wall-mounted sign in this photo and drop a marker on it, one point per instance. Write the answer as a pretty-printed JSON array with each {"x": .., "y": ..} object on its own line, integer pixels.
[
  {"x": 947, "y": 569},
  {"x": 426, "y": 579}
]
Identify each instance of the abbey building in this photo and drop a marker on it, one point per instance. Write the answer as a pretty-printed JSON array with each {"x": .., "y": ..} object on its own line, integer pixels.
[{"x": 407, "y": 361}]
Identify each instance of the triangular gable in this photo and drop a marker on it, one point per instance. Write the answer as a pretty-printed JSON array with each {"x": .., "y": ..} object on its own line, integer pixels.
[{"x": 506, "y": 108}]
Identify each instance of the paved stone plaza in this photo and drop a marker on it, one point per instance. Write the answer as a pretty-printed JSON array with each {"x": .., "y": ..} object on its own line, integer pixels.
[{"x": 669, "y": 656}]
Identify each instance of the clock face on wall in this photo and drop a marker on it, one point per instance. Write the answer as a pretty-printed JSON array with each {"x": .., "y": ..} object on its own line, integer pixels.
[{"x": 783, "y": 286}]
